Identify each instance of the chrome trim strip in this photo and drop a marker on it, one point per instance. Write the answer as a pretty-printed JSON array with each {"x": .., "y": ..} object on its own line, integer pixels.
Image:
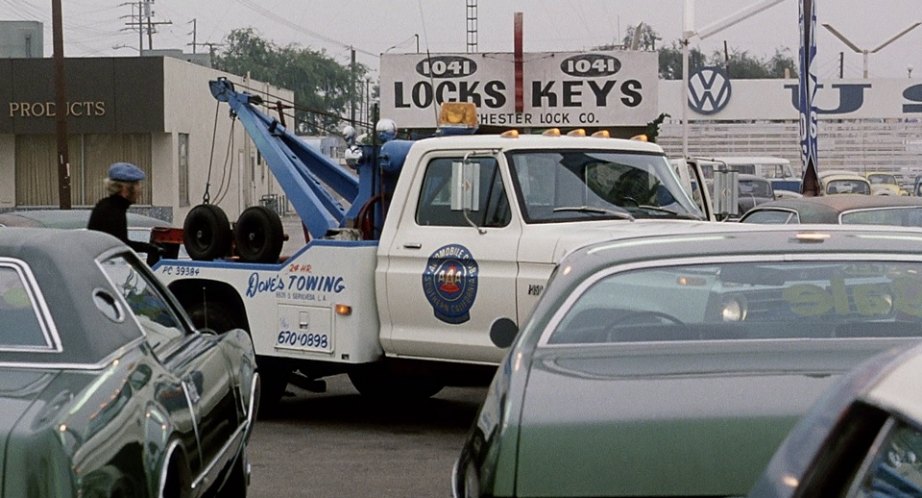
[
  {"x": 165, "y": 467},
  {"x": 251, "y": 410},
  {"x": 99, "y": 365},
  {"x": 567, "y": 304},
  {"x": 220, "y": 456},
  {"x": 185, "y": 392}
]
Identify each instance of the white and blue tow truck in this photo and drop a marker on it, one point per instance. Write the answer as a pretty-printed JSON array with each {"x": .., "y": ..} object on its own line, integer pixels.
[{"x": 414, "y": 250}]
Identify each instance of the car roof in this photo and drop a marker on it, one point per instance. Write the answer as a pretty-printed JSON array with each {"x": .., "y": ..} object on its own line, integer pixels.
[
  {"x": 826, "y": 208},
  {"x": 750, "y": 177},
  {"x": 68, "y": 218},
  {"x": 63, "y": 265},
  {"x": 838, "y": 174},
  {"x": 536, "y": 142},
  {"x": 724, "y": 239},
  {"x": 902, "y": 377}
]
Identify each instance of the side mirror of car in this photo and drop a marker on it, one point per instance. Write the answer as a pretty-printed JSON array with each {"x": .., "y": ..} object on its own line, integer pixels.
[{"x": 503, "y": 332}]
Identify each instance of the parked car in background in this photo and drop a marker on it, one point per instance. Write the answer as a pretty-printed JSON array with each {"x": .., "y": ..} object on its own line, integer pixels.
[
  {"x": 884, "y": 183},
  {"x": 843, "y": 182},
  {"x": 787, "y": 188},
  {"x": 846, "y": 209},
  {"x": 106, "y": 389},
  {"x": 862, "y": 438},
  {"x": 673, "y": 361},
  {"x": 753, "y": 190},
  {"x": 140, "y": 227}
]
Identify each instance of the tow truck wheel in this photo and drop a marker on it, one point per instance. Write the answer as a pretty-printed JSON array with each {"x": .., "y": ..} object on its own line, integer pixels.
[
  {"x": 259, "y": 235},
  {"x": 382, "y": 381},
  {"x": 206, "y": 232}
]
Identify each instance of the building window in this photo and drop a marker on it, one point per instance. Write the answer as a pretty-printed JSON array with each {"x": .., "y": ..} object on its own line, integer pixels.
[
  {"x": 183, "y": 170},
  {"x": 89, "y": 157}
]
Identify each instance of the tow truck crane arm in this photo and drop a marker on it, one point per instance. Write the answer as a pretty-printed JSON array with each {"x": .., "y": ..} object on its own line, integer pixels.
[{"x": 306, "y": 175}]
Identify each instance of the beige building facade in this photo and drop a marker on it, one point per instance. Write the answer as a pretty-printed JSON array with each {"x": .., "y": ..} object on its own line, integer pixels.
[{"x": 156, "y": 112}]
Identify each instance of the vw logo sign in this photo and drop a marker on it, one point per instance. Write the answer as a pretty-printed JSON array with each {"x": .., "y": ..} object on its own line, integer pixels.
[{"x": 709, "y": 90}]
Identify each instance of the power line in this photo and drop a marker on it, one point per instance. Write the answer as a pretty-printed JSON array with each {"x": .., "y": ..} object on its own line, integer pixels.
[{"x": 281, "y": 20}]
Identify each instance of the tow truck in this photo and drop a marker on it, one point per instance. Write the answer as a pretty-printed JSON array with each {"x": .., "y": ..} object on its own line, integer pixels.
[{"x": 419, "y": 254}]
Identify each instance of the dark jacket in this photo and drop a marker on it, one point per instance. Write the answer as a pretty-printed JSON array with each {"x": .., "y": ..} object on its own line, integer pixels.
[{"x": 110, "y": 215}]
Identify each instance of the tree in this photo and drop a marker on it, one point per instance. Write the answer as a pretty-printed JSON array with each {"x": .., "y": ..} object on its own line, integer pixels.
[
  {"x": 670, "y": 61},
  {"x": 741, "y": 64},
  {"x": 646, "y": 37},
  {"x": 323, "y": 88}
]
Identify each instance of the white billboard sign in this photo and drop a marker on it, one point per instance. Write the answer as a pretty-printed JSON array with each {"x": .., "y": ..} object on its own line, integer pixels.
[
  {"x": 724, "y": 99},
  {"x": 559, "y": 89}
]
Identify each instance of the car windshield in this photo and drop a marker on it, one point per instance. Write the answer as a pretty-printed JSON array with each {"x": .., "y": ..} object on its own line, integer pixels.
[
  {"x": 575, "y": 185},
  {"x": 748, "y": 300}
]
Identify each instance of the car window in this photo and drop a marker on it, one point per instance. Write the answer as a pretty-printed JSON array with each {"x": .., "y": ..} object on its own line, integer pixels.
[
  {"x": 848, "y": 187},
  {"x": 755, "y": 188},
  {"x": 906, "y": 217},
  {"x": 770, "y": 216},
  {"x": 492, "y": 206},
  {"x": 748, "y": 300},
  {"x": 20, "y": 326},
  {"x": 894, "y": 467},
  {"x": 160, "y": 323}
]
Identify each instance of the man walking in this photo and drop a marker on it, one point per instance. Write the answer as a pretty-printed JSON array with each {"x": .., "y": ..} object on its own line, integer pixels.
[{"x": 110, "y": 214}]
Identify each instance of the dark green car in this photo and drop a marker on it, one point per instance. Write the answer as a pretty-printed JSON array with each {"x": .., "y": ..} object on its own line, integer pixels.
[
  {"x": 106, "y": 389},
  {"x": 675, "y": 364}
]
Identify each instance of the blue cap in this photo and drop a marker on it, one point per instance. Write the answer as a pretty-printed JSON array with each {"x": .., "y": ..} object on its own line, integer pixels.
[{"x": 125, "y": 172}]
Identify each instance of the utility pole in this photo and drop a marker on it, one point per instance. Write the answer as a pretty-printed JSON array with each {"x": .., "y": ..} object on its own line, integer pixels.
[
  {"x": 841, "y": 65},
  {"x": 60, "y": 103},
  {"x": 193, "y": 36},
  {"x": 144, "y": 11},
  {"x": 352, "y": 68}
]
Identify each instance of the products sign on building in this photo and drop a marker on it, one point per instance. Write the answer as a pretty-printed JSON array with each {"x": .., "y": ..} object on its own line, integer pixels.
[{"x": 559, "y": 89}]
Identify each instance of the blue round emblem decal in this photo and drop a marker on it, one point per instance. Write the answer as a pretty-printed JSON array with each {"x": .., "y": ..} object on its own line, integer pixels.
[{"x": 450, "y": 283}]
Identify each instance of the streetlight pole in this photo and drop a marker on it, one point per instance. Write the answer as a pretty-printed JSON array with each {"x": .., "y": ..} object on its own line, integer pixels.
[
  {"x": 866, "y": 52},
  {"x": 689, "y": 32}
]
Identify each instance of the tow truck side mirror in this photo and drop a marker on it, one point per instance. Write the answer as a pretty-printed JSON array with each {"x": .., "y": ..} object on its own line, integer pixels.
[
  {"x": 503, "y": 332},
  {"x": 465, "y": 186}
]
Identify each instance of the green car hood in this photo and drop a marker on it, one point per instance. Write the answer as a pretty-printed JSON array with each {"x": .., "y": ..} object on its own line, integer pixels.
[
  {"x": 664, "y": 420},
  {"x": 19, "y": 390}
]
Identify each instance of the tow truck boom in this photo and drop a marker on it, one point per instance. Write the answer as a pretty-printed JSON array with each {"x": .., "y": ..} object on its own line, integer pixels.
[{"x": 301, "y": 171}]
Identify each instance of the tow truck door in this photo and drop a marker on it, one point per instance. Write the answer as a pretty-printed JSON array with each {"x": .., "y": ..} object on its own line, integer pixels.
[{"x": 450, "y": 273}]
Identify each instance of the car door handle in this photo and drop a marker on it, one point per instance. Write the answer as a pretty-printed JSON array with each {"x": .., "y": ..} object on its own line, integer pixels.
[{"x": 412, "y": 245}]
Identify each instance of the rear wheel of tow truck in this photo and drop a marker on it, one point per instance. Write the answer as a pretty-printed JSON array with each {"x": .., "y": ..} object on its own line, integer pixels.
[
  {"x": 206, "y": 232},
  {"x": 384, "y": 380},
  {"x": 259, "y": 235}
]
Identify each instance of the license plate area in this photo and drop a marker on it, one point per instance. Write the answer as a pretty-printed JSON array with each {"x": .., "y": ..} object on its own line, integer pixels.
[{"x": 304, "y": 328}]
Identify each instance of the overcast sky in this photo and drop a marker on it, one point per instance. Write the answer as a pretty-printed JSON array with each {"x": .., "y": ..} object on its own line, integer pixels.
[{"x": 94, "y": 27}]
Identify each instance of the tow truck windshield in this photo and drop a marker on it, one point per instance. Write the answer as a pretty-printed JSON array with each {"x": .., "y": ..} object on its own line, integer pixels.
[{"x": 573, "y": 185}]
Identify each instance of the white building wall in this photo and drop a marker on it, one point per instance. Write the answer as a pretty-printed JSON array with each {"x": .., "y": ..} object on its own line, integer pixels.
[{"x": 190, "y": 108}]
